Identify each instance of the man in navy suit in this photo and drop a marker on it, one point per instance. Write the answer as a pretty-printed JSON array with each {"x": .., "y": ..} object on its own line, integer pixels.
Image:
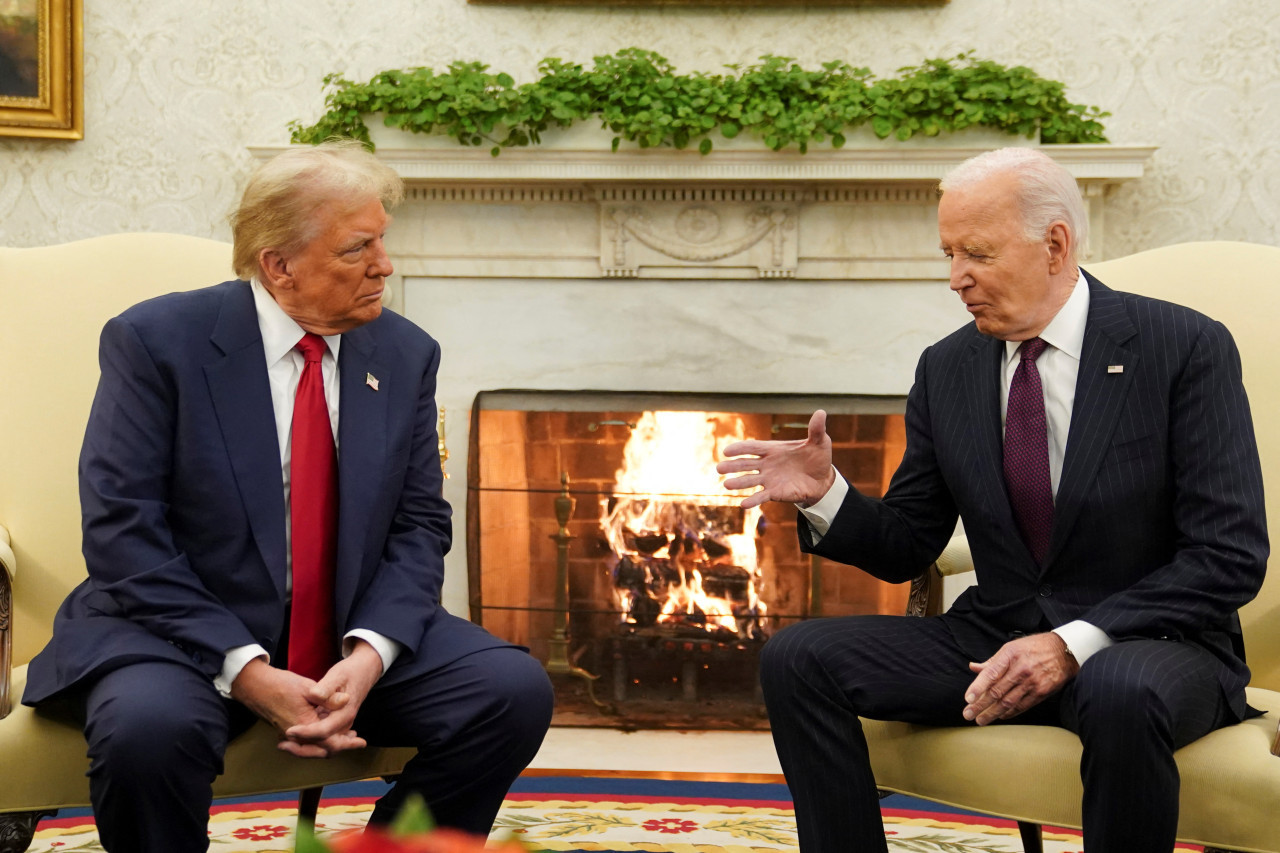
[
  {"x": 178, "y": 639},
  {"x": 1114, "y": 615}
]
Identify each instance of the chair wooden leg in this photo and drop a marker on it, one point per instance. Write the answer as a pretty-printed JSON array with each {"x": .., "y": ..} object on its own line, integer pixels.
[
  {"x": 308, "y": 805},
  {"x": 1032, "y": 839},
  {"x": 17, "y": 830}
]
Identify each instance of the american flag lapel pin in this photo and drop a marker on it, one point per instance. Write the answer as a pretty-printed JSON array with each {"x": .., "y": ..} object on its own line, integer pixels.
[
  {"x": 1111, "y": 368},
  {"x": 371, "y": 381}
]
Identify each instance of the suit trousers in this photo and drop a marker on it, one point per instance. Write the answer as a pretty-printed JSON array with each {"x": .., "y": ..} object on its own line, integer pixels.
[
  {"x": 1132, "y": 705},
  {"x": 157, "y": 732}
]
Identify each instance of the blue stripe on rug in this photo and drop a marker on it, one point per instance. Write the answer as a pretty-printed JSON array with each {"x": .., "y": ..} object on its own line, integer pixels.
[{"x": 620, "y": 785}]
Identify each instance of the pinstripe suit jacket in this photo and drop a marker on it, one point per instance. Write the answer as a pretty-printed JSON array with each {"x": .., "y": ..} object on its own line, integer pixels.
[{"x": 1159, "y": 524}]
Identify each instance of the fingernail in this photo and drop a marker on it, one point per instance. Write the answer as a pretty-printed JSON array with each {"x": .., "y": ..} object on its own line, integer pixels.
[{"x": 971, "y": 697}]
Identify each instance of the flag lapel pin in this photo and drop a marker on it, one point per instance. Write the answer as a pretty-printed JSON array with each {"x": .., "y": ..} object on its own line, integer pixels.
[
  {"x": 371, "y": 381},
  {"x": 1111, "y": 368}
]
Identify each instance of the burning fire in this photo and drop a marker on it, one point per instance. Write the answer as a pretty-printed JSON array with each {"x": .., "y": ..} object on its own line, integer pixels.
[{"x": 686, "y": 552}]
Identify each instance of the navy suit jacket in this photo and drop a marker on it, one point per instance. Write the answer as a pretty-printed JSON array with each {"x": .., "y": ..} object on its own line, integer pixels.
[
  {"x": 183, "y": 506},
  {"x": 1159, "y": 525}
]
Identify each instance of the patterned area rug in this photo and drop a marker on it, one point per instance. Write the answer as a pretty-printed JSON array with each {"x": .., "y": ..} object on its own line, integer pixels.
[{"x": 563, "y": 813}]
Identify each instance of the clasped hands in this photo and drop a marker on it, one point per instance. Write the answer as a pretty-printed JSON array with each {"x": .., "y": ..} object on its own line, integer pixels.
[
  {"x": 1019, "y": 676},
  {"x": 314, "y": 718}
]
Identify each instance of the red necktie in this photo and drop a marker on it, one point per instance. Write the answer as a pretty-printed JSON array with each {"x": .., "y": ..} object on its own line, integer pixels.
[
  {"x": 313, "y": 508},
  {"x": 1026, "y": 452}
]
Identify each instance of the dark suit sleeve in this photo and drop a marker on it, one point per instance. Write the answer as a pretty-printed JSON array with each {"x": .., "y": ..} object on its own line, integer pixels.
[
  {"x": 1219, "y": 518},
  {"x": 403, "y": 593},
  {"x": 897, "y": 537},
  {"x": 137, "y": 571}
]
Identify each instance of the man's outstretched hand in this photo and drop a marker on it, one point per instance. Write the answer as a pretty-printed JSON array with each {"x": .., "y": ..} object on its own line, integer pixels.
[
  {"x": 1021, "y": 675},
  {"x": 796, "y": 471}
]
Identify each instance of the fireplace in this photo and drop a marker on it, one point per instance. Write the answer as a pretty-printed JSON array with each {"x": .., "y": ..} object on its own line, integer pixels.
[
  {"x": 599, "y": 535},
  {"x": 604, "y": 273}
]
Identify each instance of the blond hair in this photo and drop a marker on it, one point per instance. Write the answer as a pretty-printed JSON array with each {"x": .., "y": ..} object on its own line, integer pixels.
[
  {"x": 1047, "y": 193},
  {"x": 280, "y": 202}
]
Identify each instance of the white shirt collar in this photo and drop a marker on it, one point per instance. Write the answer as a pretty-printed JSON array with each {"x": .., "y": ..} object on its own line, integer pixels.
[
  {"x": 280, "y": 332},
  {"x": 1065, "y": 331}
]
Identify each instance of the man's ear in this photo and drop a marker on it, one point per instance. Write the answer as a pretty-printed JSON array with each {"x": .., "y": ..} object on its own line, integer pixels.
[
  {"x": 276, "y": 271},
  {"x": 1058, "y": 244}
]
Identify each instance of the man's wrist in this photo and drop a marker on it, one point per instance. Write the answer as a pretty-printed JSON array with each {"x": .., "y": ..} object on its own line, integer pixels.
[{"x": 233, "y": 664}]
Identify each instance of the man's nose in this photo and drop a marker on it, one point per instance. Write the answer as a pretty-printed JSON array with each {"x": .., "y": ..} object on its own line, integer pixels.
[
  {"x": 380, "y": 263},
  {"x": 959, "y": 278}
]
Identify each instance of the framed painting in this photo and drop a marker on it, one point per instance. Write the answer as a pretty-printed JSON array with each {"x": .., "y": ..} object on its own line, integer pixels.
[{"x": 41, "y": 69}]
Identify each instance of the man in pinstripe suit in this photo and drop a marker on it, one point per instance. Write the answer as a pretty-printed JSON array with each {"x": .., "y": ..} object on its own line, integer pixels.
[{"x": 1116, "y": 618}]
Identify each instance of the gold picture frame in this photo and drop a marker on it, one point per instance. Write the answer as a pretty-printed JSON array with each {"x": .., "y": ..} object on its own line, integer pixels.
[{"x": 41, "y": 69}]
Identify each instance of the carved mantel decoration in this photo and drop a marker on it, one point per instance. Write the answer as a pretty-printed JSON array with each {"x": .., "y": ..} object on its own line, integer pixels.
[{"x": 850, "y": 214}]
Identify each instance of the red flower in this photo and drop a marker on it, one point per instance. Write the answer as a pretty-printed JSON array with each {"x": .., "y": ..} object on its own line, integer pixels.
[
  {"x": 261, "y": 833},
  {"x": 669, "y": 825}
]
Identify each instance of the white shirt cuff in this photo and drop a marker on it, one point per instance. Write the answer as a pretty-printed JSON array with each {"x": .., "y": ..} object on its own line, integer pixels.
[
  {"x": 236, "y": 660},
  {"x": 1083, "y": 639},
  {"x": 386, "y": 648},
  {"x": 821, "y": 514}
]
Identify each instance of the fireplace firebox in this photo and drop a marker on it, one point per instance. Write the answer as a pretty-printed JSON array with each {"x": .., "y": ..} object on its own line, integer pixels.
[{"x": 599, "y": 535}]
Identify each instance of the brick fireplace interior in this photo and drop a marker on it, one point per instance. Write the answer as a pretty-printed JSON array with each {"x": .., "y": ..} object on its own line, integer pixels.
[{"x": 668, "y": 587}]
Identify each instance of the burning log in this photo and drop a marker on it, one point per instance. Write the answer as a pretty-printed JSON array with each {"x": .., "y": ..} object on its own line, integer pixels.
[{"x": 685, "y": 551}]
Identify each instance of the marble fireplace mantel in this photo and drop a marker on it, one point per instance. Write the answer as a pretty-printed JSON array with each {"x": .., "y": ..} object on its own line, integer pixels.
[{"x": 550, "y": 212}]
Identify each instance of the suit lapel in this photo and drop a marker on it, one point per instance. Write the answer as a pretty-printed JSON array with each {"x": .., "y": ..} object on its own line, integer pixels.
[
  {"x": 362, "y": 451},
  {"x": 982, "y": 390},
  {"x": 241, "y": 396},
  {"x": 1100, "y": 396}
]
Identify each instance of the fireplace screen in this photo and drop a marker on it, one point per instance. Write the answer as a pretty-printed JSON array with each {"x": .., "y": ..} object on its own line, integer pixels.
[{"x": 600, "y": 535}]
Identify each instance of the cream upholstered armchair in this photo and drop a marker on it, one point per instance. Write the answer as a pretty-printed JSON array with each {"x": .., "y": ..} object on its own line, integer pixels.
[
  {"x": 1230, "y": 798},
  {"x": 53, "y": 303}
]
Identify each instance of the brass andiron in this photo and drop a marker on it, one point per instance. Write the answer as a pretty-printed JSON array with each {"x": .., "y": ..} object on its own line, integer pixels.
[
  {"x": 440, "y": 445},
  {"x": 558, "y": 662}
]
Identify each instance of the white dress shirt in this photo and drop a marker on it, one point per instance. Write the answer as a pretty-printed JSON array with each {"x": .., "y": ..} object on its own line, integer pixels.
[
  {"x": 280, "y": 336},
  {"x": 1058, "y": 365}
]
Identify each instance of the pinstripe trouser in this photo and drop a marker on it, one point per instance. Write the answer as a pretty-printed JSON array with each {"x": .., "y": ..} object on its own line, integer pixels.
[{"x": 1132, "y": 705}]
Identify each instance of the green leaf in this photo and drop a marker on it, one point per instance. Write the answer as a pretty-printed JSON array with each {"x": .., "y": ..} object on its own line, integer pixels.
[
  {"x": 414, "y": 817},
  {"x": 704, "y": 147},
  {"x": 307, "y": 842}
]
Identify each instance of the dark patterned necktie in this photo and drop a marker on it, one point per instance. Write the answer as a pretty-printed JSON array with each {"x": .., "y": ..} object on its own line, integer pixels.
[
  {"x": 313, "y": 513},
  {"x": 1026, "y": 452}
]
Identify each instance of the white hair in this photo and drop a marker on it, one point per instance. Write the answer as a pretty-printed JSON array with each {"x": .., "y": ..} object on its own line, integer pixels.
[{"x": 1047, "y": 193}]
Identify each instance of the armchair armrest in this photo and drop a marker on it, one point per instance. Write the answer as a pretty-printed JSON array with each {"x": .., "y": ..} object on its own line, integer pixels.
[
  {"x": 8, "y": 568},
  {"x": 955, "y": 559},
  {"x": 926, "y": 591}
]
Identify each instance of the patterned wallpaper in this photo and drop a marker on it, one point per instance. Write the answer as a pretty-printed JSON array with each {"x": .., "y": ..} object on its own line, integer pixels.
[{"x": 175, "y": 91}]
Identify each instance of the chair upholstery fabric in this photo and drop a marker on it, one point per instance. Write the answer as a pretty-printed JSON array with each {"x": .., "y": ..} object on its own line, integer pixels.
[{"x": 1230, "y": 779}]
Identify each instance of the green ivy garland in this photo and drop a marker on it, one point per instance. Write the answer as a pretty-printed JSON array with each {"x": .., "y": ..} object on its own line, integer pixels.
[{"x": 640, "y": 97}]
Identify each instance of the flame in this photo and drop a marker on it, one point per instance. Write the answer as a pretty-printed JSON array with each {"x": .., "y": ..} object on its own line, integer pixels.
[{"x": 676, "y": 532}]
